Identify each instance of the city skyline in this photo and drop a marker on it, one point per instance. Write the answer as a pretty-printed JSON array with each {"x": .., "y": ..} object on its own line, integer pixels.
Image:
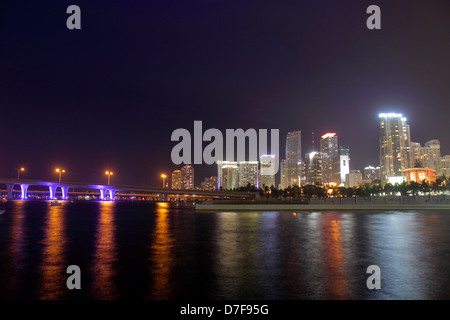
[
  {"x": 329, "y": 141},
  {"x": 108, "y": 96}
]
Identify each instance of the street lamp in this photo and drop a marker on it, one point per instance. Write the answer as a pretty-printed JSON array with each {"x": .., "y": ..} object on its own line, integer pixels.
[
  {"x": 60, "y": 173},
  {"x": 163, "y": 176},
  {"x": 18, "y": 172},
  {"x": 109, "y": 174}
]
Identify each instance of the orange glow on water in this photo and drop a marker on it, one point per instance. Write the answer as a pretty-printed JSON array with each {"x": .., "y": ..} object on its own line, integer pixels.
[
  {"x": 105, "y": 253},
  {"x": 53, "y": 266},
  {"x": 333, "y": 253},
  {"x": 162, "y": 255},
  {"x": 16, "y": 247}
]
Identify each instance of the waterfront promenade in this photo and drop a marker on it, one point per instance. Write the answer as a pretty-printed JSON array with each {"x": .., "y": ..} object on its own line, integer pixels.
[{"x": 440, "y": 202}]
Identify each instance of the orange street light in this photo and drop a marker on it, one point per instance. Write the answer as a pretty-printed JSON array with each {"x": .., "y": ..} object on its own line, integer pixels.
[
  {"x": 109, "y": 174},
  {"x": 60, "y": 172},
  {"x": 163, "y": 176},
  {"x": 18, "y": 172}
]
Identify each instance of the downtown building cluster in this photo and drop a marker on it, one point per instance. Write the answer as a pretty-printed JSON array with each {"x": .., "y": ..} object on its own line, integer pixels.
[
  {"x": 404, "y": 160},
  {"x": 184, "y": 178},
  {"x": 329, "y": 165},
  {"x": 400, "y": 160}
]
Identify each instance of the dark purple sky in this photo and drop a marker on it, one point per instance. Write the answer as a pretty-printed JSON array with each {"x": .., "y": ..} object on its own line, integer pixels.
[{"x": 108, "y": 96}]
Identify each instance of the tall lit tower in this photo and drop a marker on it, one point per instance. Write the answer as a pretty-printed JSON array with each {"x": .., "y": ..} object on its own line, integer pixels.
[
  {"x": 248, "y": 173},
  {"x": 344, "y": 164},
  {"x": 267, "y": 163},
  {"x": 431, "y": 154},
  {"x": 177, "y": 179},
  {"x": 293, "y": 158},
  {"x": 395, "y": 143},
  {"x": 187, "y": 173},
  {"x": 228, "y": 175},
  {"x": 329, "y": 151},
  {"x": 313, "y": 168}
]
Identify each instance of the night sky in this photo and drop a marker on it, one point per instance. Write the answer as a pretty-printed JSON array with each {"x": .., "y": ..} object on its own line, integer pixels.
[{"x": 108, "y": 96}]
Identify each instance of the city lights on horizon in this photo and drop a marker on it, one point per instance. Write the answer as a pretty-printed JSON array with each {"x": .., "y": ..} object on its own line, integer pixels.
[{"x": 294, "y": 178}]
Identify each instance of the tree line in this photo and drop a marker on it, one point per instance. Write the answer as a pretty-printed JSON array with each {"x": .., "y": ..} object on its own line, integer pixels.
[{"x": 376, "y": 188}]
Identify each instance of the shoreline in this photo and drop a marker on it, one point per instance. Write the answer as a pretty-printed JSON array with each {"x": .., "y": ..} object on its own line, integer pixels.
[{"x": 318, "y": 207}]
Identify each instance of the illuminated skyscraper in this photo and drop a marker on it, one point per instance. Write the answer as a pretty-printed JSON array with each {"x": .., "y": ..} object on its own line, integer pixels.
[
  {"x": 313, "y": 168},
  {"x": 445, "y": 166},
  {"x": 415, "y": 156},
  {"x": 187, "y": 172},
  {"x": 293, "y": 157},
  {"x": 283, "y": 175},
  {"x": 209, "y": 184},
  {"x": 329, "y": 152},
  {"x": 267, "y": 163},
  {"x": 228, "y": 175},
  {"x": 248, "y": 173},
  {"x": 428, "y": 156},
  {"x": 177, "y": 179},
  {"x": 431, "y": 155},
  {"x": 344, "y": 164},
  {"x": 395, "y": 143}
]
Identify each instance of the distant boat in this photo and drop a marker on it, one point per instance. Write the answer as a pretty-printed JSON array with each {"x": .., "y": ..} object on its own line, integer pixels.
[{"x": 55, "y": 203}]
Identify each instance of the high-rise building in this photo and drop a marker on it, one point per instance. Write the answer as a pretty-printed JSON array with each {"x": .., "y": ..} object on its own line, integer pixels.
[
  {"x": 329, "y": 152},
  {"x": 187, "y": 173},
  {"x": 209, "y": 184},
  {"x": 428, "y": 156},
  {"x": 372, "y": 173},
  {"x": 395, "y": 144},
  {"x": 445, "y": 166},
  {"x": 344, "y": 164},
  {"x": 283, "y": 175},
  {"x": 415, "y": 157},
  {"x": 293, "y": 157},
  {"x": 267, "y": 177},
  {"x": 228, "y": 175},
  {"x": 353, "y": 179},
  {"x": 177, "y": 179},
  {"x": 431, "y": 155},
  {"x": 313, "y": 168},
  {"x": 248, "y": 173}
]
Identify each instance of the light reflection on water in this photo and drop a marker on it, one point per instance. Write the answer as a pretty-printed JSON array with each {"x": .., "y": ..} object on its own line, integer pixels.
[
  {"x": 53, "y": 265},
  {"x": 221, "y": 255},
  {"x": 333, "y": 257},
  {"x": 105, "y": 257},
  {"x": 16, "y": 250},
  {"x": 161, "y": 255}
]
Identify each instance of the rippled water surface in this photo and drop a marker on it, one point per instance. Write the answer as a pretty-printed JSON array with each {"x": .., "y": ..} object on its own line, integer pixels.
[{"x": 155, "y": 251}]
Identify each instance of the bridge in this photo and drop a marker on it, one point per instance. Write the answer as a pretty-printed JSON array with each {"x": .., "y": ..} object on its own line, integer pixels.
[{"x": 111, "y": 190}]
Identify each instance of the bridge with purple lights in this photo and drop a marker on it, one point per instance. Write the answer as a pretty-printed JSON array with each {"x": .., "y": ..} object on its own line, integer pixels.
[{"x": 109, "y": 191}]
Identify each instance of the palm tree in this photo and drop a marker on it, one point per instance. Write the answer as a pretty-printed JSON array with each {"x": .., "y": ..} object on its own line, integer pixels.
[
  {"x": 414, "y": 187},
  {"x": 425, "y": 187},
  {"x": 402, "y": 188},
  {"x": 309, "y": 191},
  {"x": 388, "y": 188}
]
